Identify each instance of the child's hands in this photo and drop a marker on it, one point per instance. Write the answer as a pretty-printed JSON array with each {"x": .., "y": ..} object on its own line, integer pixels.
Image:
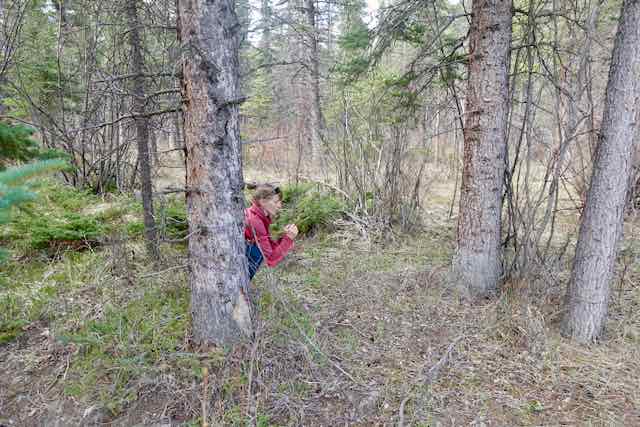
[{"x": 291, "y": 230}]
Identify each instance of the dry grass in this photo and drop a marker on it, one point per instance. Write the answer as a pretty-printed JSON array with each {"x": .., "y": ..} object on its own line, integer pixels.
[
  {"x": 348, "y": 332},
  {"x": 386, "y": 327}
]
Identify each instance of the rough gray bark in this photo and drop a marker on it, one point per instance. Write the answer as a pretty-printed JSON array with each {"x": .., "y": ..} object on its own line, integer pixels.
[
  {"x": 142, "y": 131},
  {"x": 478, "y": 260},
  {"x": 209, "y": 33},
  {"x": 601, "y": 228}
]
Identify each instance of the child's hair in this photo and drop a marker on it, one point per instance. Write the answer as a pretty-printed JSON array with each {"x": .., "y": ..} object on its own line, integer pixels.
[{"x": 264, "y": 191}]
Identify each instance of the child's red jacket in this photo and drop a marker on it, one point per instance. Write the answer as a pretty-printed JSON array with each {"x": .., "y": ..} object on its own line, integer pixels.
[{"x": 256, "y": 221}]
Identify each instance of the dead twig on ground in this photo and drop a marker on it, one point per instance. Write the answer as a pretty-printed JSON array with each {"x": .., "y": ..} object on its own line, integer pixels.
[
  {"x": 205, "y": 381},
  {"x": 156, "y": 273},
  {"x": 428, "y": 378}
]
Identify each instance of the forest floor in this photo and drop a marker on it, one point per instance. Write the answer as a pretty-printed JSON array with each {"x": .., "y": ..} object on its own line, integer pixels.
[{"x": 353, "y": 330}]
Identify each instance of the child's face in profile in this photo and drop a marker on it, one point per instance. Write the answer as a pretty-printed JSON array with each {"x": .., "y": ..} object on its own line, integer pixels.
[{"x": 272, "y": 205}]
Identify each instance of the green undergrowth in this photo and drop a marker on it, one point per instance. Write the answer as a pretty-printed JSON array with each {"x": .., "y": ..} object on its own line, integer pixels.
[
  {"x": 61, "y": 218},
  {"x": 310, "y": 208},
  {"x": 171, "y": 215},
  {"x": 129, "y": 345},
  {"x": 120, "y": 333},
  {"x": 123, "y": 333},
  {"x": 37, "y": 291}
]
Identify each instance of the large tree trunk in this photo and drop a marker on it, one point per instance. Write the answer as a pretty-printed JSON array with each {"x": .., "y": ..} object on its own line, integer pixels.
[
  {"x": 601, "y": 228},
  {"x": 142, "y": 131},
  {"x": 219, "y": 277},
  {"x": 478, "y": 260}
]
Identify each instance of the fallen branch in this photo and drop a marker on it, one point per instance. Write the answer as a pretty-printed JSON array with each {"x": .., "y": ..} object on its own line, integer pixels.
[
  {"x": 251, "y": 410},
  {"x": 205, "y": 382},
  {"x": 156, "y": 273},
  {"x": 262, "y": 141}
]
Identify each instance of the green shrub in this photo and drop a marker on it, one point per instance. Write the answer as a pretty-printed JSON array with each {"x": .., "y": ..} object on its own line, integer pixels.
[
  {"x": 55, "y": 220},
  {"x": 135, "y": 229},
  {"x": 16, "y": 144},
  {"x": 293, "y": 193},
  {"x": 68, "y": 198},
  {"x": 13, "y": 190},
  {"x": 309, "y": 209},
  {"x": 70, "y": 230}
]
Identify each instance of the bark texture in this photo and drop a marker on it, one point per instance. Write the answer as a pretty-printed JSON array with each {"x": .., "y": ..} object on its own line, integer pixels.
[
  {"x": 209, "y": 33},
  {"x": 478, "y": 259},
  {"x": 587, "y": 297}
]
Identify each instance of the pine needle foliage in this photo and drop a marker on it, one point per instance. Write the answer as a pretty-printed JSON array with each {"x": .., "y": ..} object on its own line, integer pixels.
[{"x": 13, "y": 190}]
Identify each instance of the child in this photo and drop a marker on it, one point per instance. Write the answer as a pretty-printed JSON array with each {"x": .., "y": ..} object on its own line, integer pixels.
[{"x": 267, "y": 202}]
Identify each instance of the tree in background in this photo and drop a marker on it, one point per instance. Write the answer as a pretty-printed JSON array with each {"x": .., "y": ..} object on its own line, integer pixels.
[
  {"x": 16, "y": 142},
  {"x": 587, "y": 296},
  {"x": 142, "y": 129}
]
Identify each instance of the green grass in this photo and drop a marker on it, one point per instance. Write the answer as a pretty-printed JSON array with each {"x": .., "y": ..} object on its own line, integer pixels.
[
  {"x": 125, "y": 344},
  {"x": 36, "y": 291},
  {"x": 122, "y": 334},
  {"x": 55, "y": 196}
]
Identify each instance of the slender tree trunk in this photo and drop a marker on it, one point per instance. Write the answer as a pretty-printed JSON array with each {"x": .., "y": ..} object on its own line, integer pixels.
[
  {"x": 266, "y": 46},
  {"x": 478, "y": 260},
  {"x": 267, "y": 55},
  {"x": 317, "y": 119},
  {"x": 601, "y": 228},
  {"x": 142, "y": 131},
  {"x": 209, "y": 33},
  {"x": 4, "y": 53}
]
